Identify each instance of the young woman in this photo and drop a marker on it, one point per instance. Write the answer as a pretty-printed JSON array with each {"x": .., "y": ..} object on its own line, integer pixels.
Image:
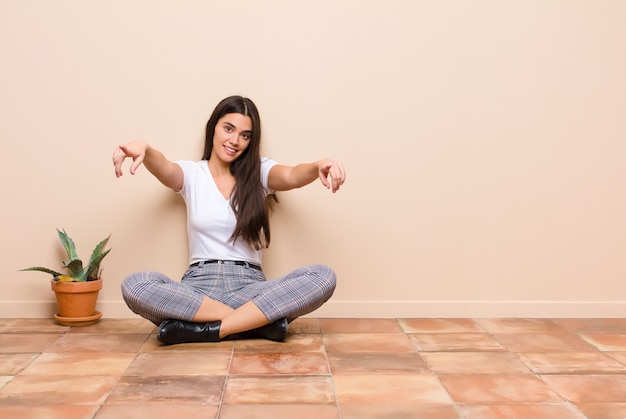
[{"x": 224, "y": 294}]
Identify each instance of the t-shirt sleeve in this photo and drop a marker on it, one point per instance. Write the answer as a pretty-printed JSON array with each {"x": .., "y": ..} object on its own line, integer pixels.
[
  {"x": 266, "y": 166},
  {"x": 187, "y": 167}
]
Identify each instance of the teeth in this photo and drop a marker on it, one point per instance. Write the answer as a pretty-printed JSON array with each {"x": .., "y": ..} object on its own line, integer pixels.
[{"x": 232, "y": 150}]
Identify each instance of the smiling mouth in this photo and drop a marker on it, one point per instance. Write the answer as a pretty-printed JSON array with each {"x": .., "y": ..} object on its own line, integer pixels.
[{"x": 230, "y": 150}]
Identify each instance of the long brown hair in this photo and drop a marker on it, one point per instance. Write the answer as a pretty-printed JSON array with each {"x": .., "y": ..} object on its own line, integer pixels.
[{"x": 248, "y": 199}]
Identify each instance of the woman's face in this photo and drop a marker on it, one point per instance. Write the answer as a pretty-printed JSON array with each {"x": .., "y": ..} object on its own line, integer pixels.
[{"x": 232, "y": 136}]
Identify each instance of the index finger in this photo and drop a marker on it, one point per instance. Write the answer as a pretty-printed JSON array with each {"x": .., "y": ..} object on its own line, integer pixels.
[{"x": 118, "y": 159}]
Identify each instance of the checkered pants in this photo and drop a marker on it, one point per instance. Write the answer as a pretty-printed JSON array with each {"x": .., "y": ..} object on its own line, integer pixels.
[{"x": 156, "y": 297}]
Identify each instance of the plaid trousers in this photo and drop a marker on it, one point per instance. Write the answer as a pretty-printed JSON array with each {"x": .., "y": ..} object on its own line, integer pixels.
[{"x": 157, "y": 297}]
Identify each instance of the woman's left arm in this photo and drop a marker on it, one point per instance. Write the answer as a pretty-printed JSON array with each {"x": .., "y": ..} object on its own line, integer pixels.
[{"x": 330, "y": 172}]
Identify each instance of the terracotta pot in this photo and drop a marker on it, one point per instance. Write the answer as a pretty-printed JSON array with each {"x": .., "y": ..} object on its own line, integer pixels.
[{"x": 77, "y": 299}]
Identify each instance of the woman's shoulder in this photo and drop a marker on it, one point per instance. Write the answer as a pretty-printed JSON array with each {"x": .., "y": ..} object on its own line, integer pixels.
[
  {"x": 192, "y": 164},
  {"x": 268, "y": 162}
]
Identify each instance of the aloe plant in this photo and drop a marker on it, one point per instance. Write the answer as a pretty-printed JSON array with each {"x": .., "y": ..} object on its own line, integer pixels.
[{"x": 77, "y": 272}]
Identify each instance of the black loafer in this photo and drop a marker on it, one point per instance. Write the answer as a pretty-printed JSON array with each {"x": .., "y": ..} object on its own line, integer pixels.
[
  {"x": 276, "y": 331},
  {"x": 179, "y": 331}
]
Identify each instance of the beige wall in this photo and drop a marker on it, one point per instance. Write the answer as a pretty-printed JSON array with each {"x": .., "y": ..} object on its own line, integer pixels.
[{"x": 484, "y": 143}]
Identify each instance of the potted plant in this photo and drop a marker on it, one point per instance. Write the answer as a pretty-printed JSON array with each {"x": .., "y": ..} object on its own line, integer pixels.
[{"x": 77, "y": 292}]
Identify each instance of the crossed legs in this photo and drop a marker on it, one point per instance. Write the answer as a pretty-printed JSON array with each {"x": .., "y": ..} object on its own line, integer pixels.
[
  {"x": 246, "y": 317},
  {"x": 244, "y": 307}
]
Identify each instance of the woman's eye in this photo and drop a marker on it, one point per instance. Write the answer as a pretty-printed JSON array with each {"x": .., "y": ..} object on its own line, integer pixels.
[
  {"x": 228, "y": 128},
  {"x": 247, "y": 136}
]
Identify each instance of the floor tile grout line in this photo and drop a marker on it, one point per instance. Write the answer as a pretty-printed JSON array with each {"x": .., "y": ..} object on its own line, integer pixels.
[
  {"x": 330, "y": 373},
  {"x": 537, "y": 374},
  {"x": 226, "y": 379},
  {"x": 611, "y": 355},
  {"x": 435, "y": 375},
  {"x": 121, "y": 375},
  {"x": 516, "y": 355}
]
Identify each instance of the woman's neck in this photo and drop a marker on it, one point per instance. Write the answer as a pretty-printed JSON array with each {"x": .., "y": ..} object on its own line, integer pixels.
[
  {"x": 224, "y": 180},
  {"x": 218, "y": 168}
]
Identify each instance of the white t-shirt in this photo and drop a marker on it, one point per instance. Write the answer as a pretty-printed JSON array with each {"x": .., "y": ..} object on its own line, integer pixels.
[{"x": 210, "y": 217}]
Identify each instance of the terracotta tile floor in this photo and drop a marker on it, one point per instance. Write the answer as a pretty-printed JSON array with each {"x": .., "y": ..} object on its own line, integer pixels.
[{"x": 327, "y": 368}]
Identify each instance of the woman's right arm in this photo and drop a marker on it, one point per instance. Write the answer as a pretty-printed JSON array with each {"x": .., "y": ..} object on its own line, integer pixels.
[{"x": 168, "y": 173}]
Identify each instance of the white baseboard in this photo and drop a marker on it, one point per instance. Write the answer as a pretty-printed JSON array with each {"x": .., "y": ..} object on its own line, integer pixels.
[
  {"x": 382, "y": 309},
  {"x": 472, "y": 309}
]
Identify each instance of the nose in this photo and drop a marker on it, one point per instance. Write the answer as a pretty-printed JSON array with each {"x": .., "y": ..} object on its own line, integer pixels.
[{"x": 234, "y": 138}]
